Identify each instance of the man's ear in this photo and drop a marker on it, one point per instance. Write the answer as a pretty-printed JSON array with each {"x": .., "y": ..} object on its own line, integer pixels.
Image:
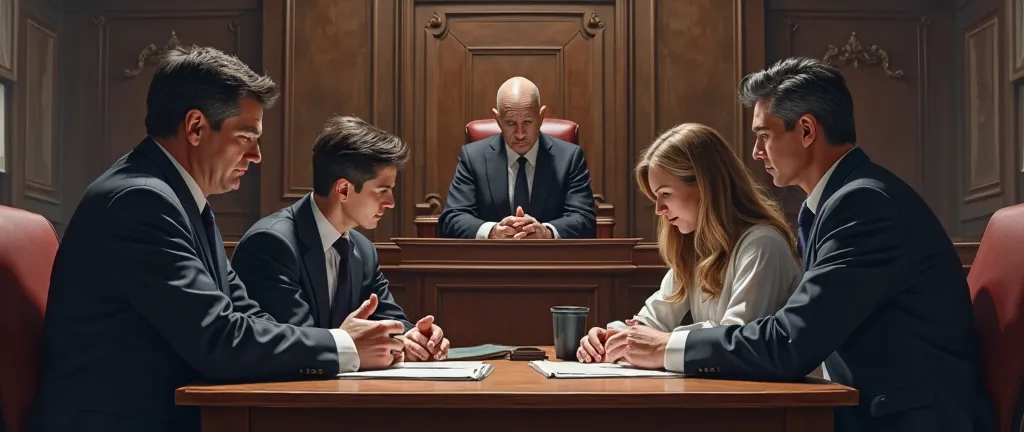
[
  {"x": 195, "y": 123},
  {"x": 497, "y": 116},
  {"x": 807, "y": 127},
  {"x": 343, "y": 188},
  {"x": 543, "y": 113}
]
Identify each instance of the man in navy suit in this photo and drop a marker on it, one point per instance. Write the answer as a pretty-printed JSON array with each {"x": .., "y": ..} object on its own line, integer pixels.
[
  {"x": 520, "y": 183},
  {"x": 306, "y": 264},
  {"x": 883, "y": 300},
  {"x": 142, "y": 299}
]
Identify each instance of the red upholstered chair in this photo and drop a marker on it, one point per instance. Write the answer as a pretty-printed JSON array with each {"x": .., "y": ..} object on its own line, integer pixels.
[
  {"x": 565, "y": 130},
  {"x": 28, "y": 245},
  {"x": 997, "y": 289}
]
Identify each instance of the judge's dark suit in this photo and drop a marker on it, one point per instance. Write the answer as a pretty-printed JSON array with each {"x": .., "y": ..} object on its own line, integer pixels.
[
  {"x": 479, "y": 192},
  {"x": 885, "y": 291},
  {"x": 140, "y": 305},
  {"x": 281, "y": 260}
]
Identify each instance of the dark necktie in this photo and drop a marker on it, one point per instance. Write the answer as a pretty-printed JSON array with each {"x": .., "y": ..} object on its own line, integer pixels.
[
  {"x": 340, "y": 306},
  {"x": 804, "y": 220},
  {"x": 211, "y": 231},
  {"x": 521, "y": 196}
]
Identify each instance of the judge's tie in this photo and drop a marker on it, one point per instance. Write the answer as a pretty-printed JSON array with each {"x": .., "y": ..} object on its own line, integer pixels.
[
  {"x": 804, "y": 221},
  {"x": 521, "y": 196}
]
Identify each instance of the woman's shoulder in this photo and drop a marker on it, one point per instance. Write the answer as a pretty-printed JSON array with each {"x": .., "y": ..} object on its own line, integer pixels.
[{"x": 762, "y": 237}]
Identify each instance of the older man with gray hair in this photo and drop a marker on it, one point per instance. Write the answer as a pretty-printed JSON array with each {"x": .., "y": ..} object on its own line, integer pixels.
[{"x": 521, "y": 183}]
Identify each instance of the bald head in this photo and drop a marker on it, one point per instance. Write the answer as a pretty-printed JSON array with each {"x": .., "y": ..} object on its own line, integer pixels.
[
  {"x": 518, "y": 91},
  {"x": 519, "y": 114}
]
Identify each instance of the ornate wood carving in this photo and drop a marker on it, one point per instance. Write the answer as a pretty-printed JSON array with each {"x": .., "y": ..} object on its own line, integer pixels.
[
  {"x": 854, "y": 52},
  {"x": 436, "y": 25},
  {"x": 150, "y": 53},
  {"x": 593, "y": 25}
]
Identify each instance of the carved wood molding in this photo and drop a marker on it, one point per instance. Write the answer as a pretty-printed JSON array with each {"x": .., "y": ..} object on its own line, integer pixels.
[
  {"x": 854, "y": 52},
  {"x": 151, "y": 53},
  {"x": 590, "y": 25},
  {"x": 593, "y": 25},
  {"x": 437, "y": 25}
]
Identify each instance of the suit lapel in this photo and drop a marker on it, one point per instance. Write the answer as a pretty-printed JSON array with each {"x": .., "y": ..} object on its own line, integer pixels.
[
  {"x": 851, "y": 161},
  {"x": 497, "y": 176},
  {"x": 543, "y": 178},
  {"x": 313, "y": 259},
  {"x": 150, "y": 149},
  {"x": 355, "y": 274}
]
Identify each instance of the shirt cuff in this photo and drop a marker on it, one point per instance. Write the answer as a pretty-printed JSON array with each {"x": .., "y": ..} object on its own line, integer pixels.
[
  {"x": 554, "y": 232},
  {"x": 485, "y": 230},
  {"x": 674, "y": 351},
  {"x": 348, "y": 357}
]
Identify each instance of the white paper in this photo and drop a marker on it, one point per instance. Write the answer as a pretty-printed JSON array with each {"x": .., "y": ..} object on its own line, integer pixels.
[
  {"x": 427, "y": 371},
  {"x": 570, "y": 369}
]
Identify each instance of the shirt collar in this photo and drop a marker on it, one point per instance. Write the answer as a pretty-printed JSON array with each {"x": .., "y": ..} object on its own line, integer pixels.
[
  {"x": 815, "y": 196},
  {"x": 531, "y": 156},
  {"x": 193, "y": 187},
  {"x": 328, "y": 233}
]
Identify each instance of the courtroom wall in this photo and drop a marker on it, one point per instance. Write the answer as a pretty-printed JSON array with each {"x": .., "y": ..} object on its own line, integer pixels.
[{"x": 934, "y": 84}]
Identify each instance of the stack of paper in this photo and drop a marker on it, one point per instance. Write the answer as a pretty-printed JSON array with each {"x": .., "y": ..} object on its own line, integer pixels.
[
  {"x": 570, "y": 369},
  {"x": 428, "y": 371}
]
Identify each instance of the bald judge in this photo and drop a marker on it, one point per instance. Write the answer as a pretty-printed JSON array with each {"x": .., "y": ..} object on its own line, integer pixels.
[{"x": 522, "y": 183}]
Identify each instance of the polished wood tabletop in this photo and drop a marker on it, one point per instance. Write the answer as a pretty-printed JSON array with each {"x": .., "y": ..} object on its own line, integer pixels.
[{"x": 515, "y": 383}]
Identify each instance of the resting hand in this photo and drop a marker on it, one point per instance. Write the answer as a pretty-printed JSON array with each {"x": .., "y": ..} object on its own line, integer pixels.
[
  {"x": 503, "y": 229},
  {"x": 374, "y": 340},
  {"x": 646, "y": 347},
  {"x": 426, "y": 341},
  {"x": 527, "y": 226}
]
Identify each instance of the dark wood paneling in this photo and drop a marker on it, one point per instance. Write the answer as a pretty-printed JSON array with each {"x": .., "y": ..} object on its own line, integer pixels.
[
  {"x": 332, "y": 57},
  {"x": 462, "y": 53}
]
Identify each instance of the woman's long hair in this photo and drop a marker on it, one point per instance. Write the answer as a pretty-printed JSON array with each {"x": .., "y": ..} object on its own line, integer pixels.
[{"x": 730, "y": 202}]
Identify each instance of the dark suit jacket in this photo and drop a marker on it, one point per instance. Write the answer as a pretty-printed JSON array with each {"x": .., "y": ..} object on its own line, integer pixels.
[
  {"x": 561, "y": 193},
  {"x": 885, "y": 292},
  {"x": 281, "y": 259},
  {"x": 139, "y": 305}
]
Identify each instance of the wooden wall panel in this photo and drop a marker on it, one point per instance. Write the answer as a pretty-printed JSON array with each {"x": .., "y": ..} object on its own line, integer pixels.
[
  {"x": 986, "y": 147},
  {"x": 333, "y": 58},
  {"x": 687, "y": 59},
  {"x": 35, "y": 150},
  {"x": 462, "y": 53},
  {"x": 888, "y": 57}
]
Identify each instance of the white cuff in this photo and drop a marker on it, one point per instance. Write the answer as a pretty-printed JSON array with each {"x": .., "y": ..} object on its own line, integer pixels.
[
  {"x": 554, "y": 232},
  {"x": 674, "y": 351},
  {"x": 485, "y": 230},
  {"x": 348, "y": 357}
]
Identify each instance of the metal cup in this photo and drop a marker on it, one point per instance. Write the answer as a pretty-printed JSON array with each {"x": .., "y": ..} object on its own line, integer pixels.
[{"x": 570, "y": 324}]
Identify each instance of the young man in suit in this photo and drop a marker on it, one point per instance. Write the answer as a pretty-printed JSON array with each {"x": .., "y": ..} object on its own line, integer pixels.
[
  {"x": 142, "y": 299},
  {"x": 493, "y": 193},
  {"x": 883, "y": 300},
  {"x": 306, "y": 264}
]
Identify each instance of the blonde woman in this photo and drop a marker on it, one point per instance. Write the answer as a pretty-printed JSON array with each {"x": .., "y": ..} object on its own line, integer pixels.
[{"x": 731, "y": 256}]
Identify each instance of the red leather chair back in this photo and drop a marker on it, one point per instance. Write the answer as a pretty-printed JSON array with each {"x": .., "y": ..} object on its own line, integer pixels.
[
  {"x": 996, "y": 279},
  {"x": 565, "y": 130},
  {"x": 28, "y": 245}
]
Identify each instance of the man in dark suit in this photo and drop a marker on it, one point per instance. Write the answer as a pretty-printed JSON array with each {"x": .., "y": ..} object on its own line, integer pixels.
[
  {"x": 883, "y": 297},
  {"x": 142, "y": 299},
  {"x": 307, "y": 266},
  {"x": 492, "y": 194}
]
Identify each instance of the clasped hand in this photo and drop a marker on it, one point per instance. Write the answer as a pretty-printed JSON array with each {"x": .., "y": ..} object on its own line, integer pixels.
[
  {"x": 520, "y": 226},
  {"x": 639, "y": 345},
  {"x": 381, "y": 344}
]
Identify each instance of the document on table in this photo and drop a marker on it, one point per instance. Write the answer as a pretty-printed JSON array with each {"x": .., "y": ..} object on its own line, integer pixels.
[
  {"x": 427, "y": 371},
  {"x": 570, "y": 369}
]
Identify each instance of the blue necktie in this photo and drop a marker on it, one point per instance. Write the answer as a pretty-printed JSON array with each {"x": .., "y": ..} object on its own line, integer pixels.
[
  {"x": 340, "y": 306},
  {"x": 521, "y": 196},
  {"x": 211, "y": 231},
  {"x": 804, "y": 221}
]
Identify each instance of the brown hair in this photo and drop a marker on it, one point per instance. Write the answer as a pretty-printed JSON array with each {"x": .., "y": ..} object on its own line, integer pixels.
[{"x": 730, "y": 203}]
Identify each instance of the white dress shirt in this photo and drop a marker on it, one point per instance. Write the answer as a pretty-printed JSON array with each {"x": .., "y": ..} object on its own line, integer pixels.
[
  {"x": 513, "y": 170},
  {"x": 348, "y": 357},
  {"x": 328, "y": 235},
  {"x": 760, "y": 277},
  {"x": 674, "y": 358}
]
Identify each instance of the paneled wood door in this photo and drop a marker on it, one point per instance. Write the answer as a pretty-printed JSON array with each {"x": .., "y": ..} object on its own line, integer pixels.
[{"x": 458, "y": 55}]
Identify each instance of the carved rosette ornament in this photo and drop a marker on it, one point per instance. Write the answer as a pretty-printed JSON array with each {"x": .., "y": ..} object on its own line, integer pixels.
[
  {"x": 854, "y": 52},
  {"x": 151, "y": 53}
]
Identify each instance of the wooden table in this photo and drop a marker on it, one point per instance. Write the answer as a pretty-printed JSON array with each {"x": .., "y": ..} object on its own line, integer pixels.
[{"x": 516, "y": 398}]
